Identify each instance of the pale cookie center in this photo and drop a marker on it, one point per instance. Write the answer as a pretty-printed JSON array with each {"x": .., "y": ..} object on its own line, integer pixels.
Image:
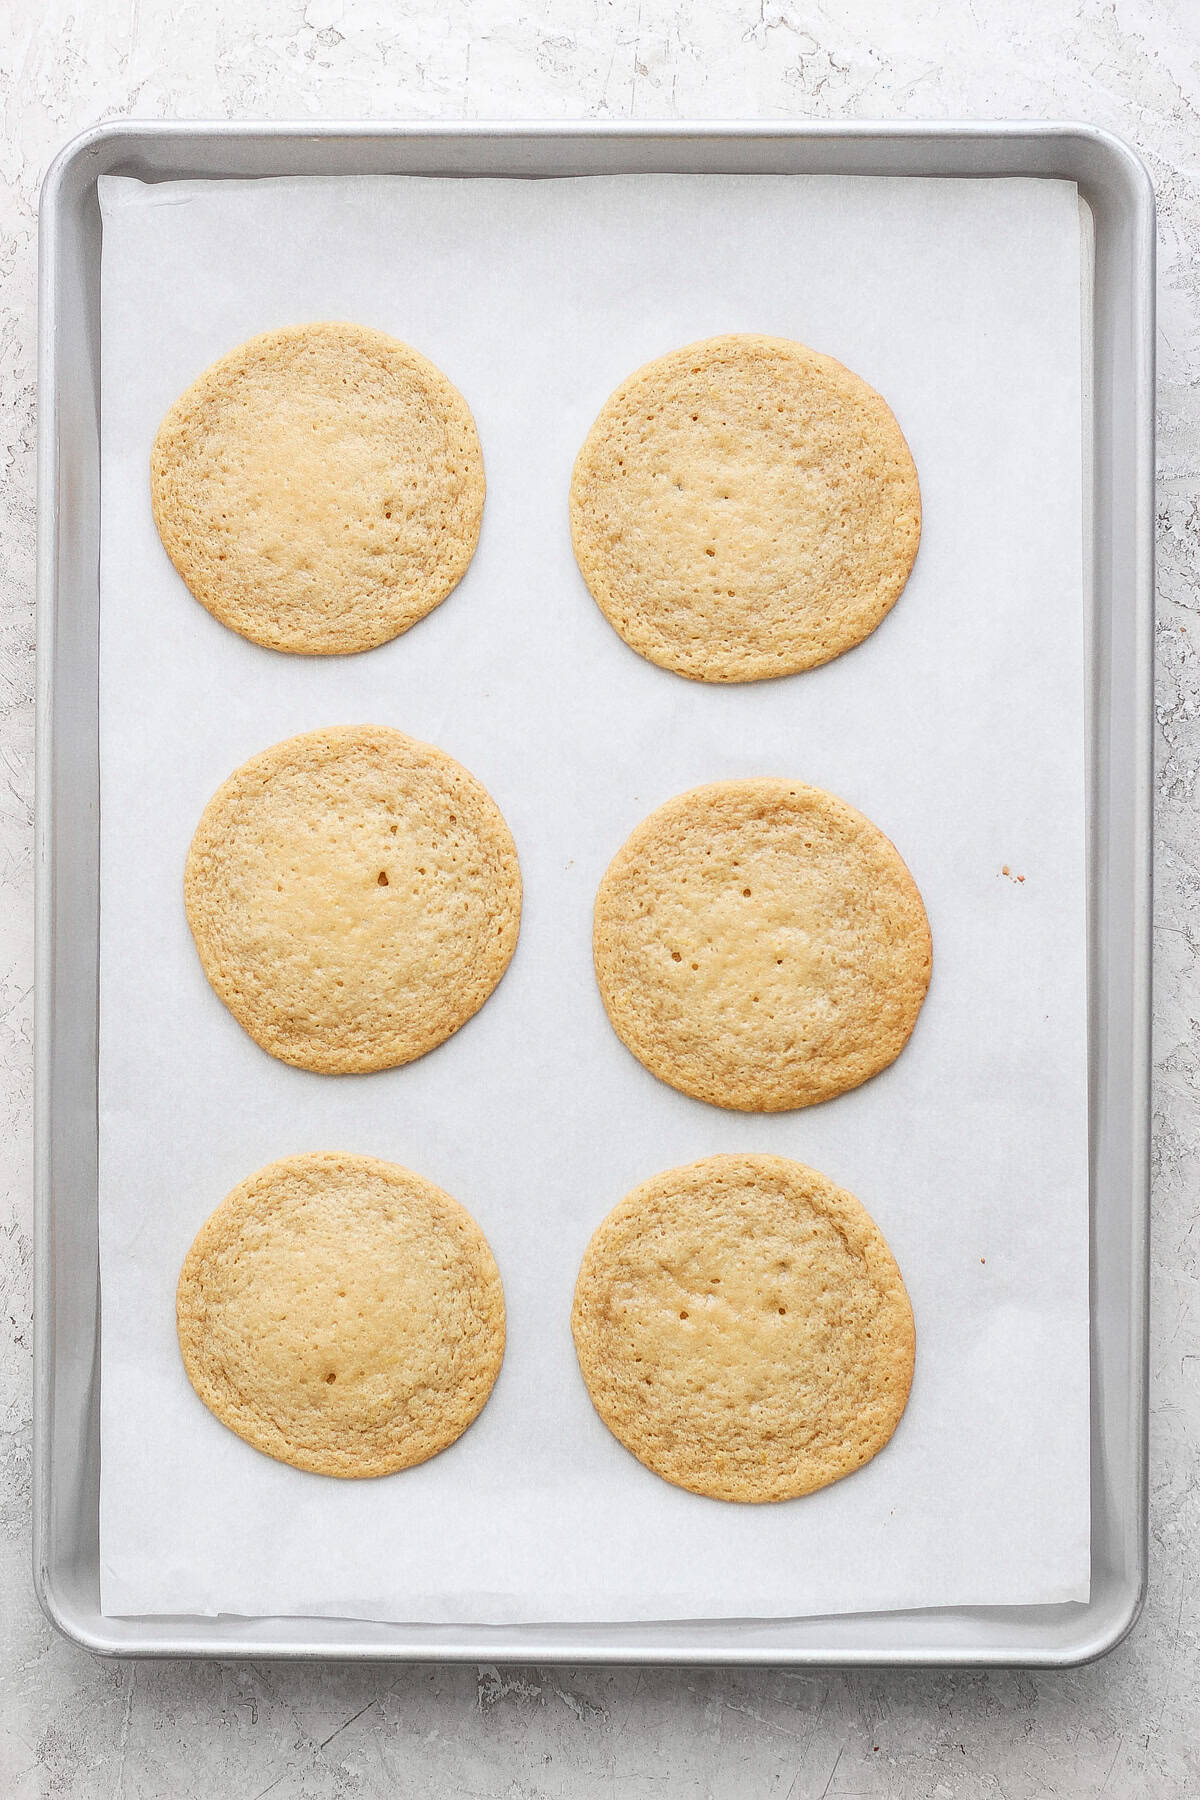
[
  {"x": 744, "y": 1329},
  {"x": 738, "y": 1305},
  {"x": 327, "y": 888},
  {"x": 313, "y": 484},
  {"x": 360, "y": 909},
  {"x": 734, "y": 519},
  {"x": 348, "y": 1328},
  {"x": 755, "y": 940}
]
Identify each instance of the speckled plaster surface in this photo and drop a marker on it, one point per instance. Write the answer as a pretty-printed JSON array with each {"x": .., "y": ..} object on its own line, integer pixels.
[{"x": 1128, "y": 1727}]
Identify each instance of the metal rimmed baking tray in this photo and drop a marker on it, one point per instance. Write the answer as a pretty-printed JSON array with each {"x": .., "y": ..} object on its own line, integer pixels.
[{"x": 1116, "y": 191}]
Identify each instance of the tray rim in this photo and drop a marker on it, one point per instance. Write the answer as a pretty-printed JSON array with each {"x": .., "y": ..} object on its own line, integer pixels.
[{"x": 1100, "y": 1628}]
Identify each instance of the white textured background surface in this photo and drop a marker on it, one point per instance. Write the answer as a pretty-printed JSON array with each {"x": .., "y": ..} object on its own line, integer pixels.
[{"x": 1128, "y": 1727}]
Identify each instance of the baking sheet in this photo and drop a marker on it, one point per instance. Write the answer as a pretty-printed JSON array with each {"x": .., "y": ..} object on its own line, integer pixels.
[{"x": 957, "y": 727}]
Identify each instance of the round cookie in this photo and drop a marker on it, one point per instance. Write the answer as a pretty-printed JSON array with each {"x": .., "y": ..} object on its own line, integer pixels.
[
  {"x": 354, "y": 896},
  {"x": 743, "y": 508},
  {"x": 761, "y": 945},
  {"x": 342, "y": 1315},
  {"x": 743, "y": 1329},
  {"x": 319, "y": 489}
]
